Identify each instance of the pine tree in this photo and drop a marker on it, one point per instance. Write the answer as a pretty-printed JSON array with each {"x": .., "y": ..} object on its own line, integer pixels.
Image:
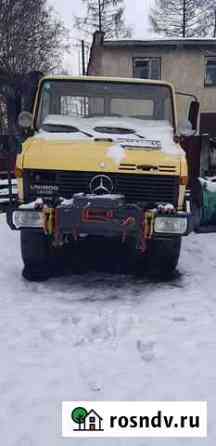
[
  {"x": 103, "y": 15},
  {"x": 183, "y": 18}
]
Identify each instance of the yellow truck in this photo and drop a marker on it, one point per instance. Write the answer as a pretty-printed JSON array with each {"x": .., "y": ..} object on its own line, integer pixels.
[{"x": 102, "y": 158}]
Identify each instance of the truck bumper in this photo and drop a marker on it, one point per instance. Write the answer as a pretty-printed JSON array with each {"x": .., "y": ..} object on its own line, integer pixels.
[{"x": 100, "y": 216}]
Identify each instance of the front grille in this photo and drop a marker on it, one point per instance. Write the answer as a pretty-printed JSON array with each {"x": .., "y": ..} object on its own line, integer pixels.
[{"x": 135, "y": 187}]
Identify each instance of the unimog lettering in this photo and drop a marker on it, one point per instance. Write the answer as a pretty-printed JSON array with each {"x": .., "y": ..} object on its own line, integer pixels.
[{"x": 41, "y": 189}]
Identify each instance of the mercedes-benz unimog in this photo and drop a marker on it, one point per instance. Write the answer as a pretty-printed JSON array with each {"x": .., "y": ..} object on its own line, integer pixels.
[{"x": 101, "y": 158}]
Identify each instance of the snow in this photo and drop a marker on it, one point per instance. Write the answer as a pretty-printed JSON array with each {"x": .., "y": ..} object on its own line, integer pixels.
[
  {"x": 152, "y": 131},
  {"x": 38, "y": 203},
  {"x": 4, "y": 186},
  {"x": 166, "y": 207},
  {"x": 65, "y": 202},
  {"x": 116, "y": 153},
  {"x": 5, "y": 182},
  {"x": 167, "y": 39},
  {"x": 208, "y": 183},
  {"x": 99, "y": 336}
]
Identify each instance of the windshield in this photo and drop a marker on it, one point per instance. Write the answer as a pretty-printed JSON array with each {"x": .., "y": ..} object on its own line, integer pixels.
[{"x": 86, "y": 99}]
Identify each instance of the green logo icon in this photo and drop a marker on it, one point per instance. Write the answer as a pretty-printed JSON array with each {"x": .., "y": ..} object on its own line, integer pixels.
[
  {"x": 86, "y": 420},
  {"x": 78, "y": 415}
]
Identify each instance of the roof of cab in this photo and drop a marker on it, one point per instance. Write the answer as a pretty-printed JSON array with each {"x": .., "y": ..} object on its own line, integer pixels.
[{"x": 108, "y": 79}]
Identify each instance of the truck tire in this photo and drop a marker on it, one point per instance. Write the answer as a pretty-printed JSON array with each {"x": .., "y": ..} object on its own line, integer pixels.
[
  {"x": 36, "y": 255},
  {"x": 162, "y": 256}
]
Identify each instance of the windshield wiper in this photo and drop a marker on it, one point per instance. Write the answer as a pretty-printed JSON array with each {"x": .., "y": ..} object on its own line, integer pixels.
[
  {"x": 59, "y": 128},
  {"x": 85, "y": 133}
]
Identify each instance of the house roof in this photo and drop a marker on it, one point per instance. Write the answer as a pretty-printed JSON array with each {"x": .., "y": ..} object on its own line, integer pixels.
[
  {"x": 99, "y": 43},
  {"x": 168, "y": 42},
  {"x": 92, "y": 411}
]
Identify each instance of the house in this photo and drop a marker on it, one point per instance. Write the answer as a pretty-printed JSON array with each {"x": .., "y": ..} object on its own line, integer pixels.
[
  {"x": 190, "y": 64},
  {"x": 93, "y": 422}
]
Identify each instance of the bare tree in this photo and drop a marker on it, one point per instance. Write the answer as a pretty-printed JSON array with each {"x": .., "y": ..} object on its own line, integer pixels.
[
  {"x": 214, "y": 25},
  {"x": 103, "y": 15},
  {"x": 31, "y": 36},
  {"x": 183, "y": 18}
]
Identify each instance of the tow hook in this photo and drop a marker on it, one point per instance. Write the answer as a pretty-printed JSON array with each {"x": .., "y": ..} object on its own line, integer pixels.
[
  {"x": 127, "y": 224},
  {"x": 49, "y": 220}
]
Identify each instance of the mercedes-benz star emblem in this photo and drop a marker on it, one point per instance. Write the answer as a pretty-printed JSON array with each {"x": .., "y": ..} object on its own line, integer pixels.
[{"x": 101, "y": 185}]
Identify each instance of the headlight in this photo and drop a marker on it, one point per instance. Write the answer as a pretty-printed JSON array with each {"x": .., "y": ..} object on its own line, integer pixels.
[
  {"x": 27, "y": 219},
  {"x": 171, "y": 225}
]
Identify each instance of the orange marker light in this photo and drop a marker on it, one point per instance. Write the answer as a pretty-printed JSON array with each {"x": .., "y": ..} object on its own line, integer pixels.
[
  {"x": 184, "y": 181},
  {"x": 18, "y": 172}
]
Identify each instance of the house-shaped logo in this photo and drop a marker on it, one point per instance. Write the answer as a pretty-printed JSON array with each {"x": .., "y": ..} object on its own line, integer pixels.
[{"x": 86, "y": 421}]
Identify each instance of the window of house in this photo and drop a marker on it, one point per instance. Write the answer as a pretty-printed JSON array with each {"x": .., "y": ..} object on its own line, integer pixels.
[
  {"x": 210, "y": 71},
  {"x": 147, "y": 68},
  {"x": 92, "y": 419}
]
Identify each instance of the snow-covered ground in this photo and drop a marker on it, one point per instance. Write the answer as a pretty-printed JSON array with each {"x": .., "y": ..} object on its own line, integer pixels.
[{"x": 102, "y": 337}]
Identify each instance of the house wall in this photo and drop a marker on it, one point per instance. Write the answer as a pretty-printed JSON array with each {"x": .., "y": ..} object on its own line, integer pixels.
[{"x": 185, "y": 68}]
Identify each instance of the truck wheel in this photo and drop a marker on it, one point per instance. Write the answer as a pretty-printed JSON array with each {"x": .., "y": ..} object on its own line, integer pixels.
[
  {"x": 35, "y": 255},
  {"x": 162, "y": 256}
]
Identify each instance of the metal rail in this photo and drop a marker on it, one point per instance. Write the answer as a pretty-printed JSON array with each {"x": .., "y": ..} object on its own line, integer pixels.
[{"x": 4, "y": 190}]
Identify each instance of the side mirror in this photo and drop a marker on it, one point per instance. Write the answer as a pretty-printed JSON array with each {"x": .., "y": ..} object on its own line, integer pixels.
[
  {"x": 185, "y": 129},
  {"x": 25, "y": 120},
  {"x": 194, "y": 114}
]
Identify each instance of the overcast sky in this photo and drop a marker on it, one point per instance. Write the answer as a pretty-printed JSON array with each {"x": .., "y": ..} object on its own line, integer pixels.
[{"x": 136, "y": 14}]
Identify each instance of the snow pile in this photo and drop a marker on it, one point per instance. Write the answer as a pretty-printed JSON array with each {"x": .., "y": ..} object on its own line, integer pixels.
[
  {"x": 208, "y": 183},
  {"x": 66, "y": 202},
  {"x": 38, "y": 203},
  {"x": 168, "y": 207},
  {"x": 160, "y": 132},
  {"x": 116, "y": 153}
]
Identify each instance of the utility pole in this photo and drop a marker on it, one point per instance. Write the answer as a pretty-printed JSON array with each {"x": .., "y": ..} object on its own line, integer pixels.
[
  {"x": 214, "y": 34},
  {"x": 99, "y": 15},
  {"x": 83, "y": 57},
  {"x": 184, "y": 19}
]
